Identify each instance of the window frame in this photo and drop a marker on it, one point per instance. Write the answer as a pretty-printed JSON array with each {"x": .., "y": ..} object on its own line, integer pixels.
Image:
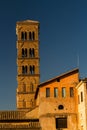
[
  {"x": 24, "y": 52},
  {"x": 71, "y": 92},
  {"x": 24, "y": 69},
  {"x": 63, "y": 92},
  {"x": 55, "y": 92},
  {"x": 47, "y": 92},
  {"x": 32, "y": 69},
  {"x": 81, "y": 96}
]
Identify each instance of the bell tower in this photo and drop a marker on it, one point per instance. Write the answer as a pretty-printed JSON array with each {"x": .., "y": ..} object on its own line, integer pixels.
[{"x": 28, "y": 74}]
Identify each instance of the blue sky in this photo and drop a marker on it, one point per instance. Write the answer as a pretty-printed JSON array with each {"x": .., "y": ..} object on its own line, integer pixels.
[{"x": 63, "y": 40}]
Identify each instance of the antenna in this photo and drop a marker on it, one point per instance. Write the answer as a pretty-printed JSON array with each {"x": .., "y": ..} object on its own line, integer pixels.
[{"x": 78, "y": 60}]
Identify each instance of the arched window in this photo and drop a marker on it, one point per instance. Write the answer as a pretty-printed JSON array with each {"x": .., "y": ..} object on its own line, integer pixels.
[
  {"x": 31, "y": 52},
  {"x": 24, "y": 69},
  {"x": 25, "y": 35},
  {"x": 22, "y": 35},
  {"x": 24, "y": 52},
  {"x": 33, "y": 36},
  {"x": 30, "y": 37},
  {"x": 32, "y": 69}
]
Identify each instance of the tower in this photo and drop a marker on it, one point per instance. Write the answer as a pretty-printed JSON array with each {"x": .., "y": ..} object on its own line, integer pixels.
[{"x": 28, "y": 74}]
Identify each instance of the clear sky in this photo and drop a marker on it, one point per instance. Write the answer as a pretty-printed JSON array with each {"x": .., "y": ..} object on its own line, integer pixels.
[{"x": 63, "y": 40}]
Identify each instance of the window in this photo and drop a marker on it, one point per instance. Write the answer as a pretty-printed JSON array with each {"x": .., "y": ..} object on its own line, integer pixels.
[
  {"x": 47, "y": 92},
  {"x": 55, "y": 92},
  {"x": 33, "y": 35},
  {"x": 71, "y": 92},
  {"x": 30, "y": 37},
  {"x": 58, "y": 80},
  {"x": 63, "y": 92},
  {"x": 60, "y": 107},
  {"x": 32, "y": 69},
  {"x": 24, "y": 69},
  {"x": 61, "y": 122},
  {"x": 23, "y": 35},
  {"x": 81, "y": 96},
  {"x": 24, "y": 52},
  {"x": 31, "y": 52}
]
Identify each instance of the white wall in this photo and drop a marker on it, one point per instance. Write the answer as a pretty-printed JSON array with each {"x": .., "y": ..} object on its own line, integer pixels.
[{"x": 82, "y": 107}]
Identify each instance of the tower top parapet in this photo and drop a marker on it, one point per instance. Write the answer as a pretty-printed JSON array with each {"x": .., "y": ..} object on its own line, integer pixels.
[{"x": 28, "y": 22}]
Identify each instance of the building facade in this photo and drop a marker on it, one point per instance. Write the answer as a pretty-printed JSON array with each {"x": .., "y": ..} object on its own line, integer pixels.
[
  {"x": 82, "y": 104},
  {"x": 28, "y": 75},
  {"x": 58, "y": 102}
]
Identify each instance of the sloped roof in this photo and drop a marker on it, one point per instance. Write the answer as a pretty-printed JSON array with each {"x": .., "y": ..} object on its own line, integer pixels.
[
  {"x": 76, "y": 70},
  {"x": 33, "y": 114},
  {"x": 60, "y": 76},
  {"x": 81, "y": 81}
]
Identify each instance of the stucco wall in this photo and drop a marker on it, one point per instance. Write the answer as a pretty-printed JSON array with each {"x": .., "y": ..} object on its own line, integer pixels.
[
  {"x": 82, "y": 107},
  {"x": 48, "y": 107}
]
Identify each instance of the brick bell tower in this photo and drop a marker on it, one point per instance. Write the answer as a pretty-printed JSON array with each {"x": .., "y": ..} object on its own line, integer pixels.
[{"x": 28, "y": 74}]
